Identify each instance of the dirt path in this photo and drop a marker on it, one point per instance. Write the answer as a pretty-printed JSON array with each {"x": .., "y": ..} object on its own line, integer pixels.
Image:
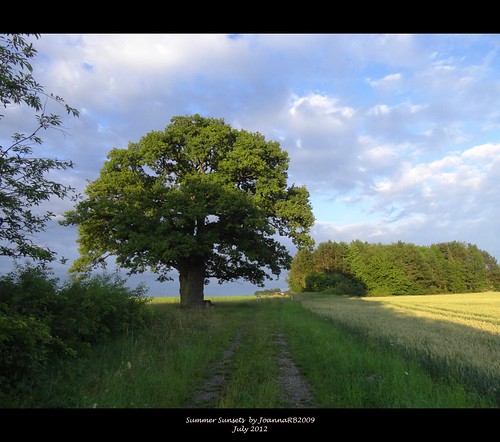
[
  {"x": 296, "y": 389},
  {"x": 207, "y": 395}
]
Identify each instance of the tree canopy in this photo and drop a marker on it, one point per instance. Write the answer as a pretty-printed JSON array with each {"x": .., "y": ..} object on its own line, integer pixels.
[
  {"x": 200, "y": 197},
  {"x": 23, "y": 182}
]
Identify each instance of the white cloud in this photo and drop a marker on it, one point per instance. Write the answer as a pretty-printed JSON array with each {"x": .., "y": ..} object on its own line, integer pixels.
[
  {"x": 389, "y": 82},
  {"x": 320, "y": 107},
  {"x": 379, "y": 109},
  {"x": 487, "y": 152},
  {"x": 450, "y": 186}
]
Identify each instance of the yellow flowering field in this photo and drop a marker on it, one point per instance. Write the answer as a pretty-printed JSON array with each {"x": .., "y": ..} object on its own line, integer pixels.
[{"x": 459, "y": 332}]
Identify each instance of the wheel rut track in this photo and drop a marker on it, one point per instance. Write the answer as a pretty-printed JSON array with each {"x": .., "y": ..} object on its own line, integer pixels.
[
  {"x": 217, "y": 376},
  {"x": 296, "y": 391}
]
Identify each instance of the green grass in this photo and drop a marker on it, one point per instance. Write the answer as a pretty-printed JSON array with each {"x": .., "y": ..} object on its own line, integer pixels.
[
  {"x": 215, "y": 299},
  {"x": 254, "y": 372},
  {"x": 156, "y": 367},
  {"x": 164, "y": 364}
]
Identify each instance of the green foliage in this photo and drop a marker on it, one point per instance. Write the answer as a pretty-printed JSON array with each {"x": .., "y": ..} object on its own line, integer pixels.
[
  {"x": 331, "y": 257},
  {"x": 42, "y": 322},
  {"x": 97, "y": 307},
  {"x": 24, "y": 347},
  {"x": 360, "y": 268},
  {"x": 200, "y": 197},
  {"x": 23, "y": 183},
  {"x": 302, "y": 265},
  {"x": 334, "y": 283},
  {"x": 492, "y": 271}
]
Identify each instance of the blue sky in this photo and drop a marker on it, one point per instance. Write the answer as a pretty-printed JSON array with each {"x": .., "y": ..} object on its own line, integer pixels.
[{"x": 397, "y": 137}]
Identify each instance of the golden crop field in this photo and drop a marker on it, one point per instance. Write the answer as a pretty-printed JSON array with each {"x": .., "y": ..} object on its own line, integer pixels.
[{"x": 459, "y": 332}]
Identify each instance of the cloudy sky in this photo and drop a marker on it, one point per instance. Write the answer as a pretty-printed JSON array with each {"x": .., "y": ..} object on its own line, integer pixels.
[{"x": 397, "y": 137}]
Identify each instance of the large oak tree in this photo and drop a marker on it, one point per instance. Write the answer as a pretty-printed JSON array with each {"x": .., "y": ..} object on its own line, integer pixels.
[{"x": 200, "y": 197}]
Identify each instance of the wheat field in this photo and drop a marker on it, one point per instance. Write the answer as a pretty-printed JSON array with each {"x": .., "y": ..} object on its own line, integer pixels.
[{"x": 457, "y": 335}]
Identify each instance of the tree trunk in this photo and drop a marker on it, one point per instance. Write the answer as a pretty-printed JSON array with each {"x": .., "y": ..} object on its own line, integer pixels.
[{"x": 192, "y": 282}]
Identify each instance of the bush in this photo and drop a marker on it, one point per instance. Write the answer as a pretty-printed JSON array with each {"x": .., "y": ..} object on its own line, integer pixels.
[
  {"x": 24, "y": 348},
  {"x": 98, "y": 307},
  {"x": 30, "y": 290},
  {"x": 335, "y": 283},
  {"x": 42, "y": 322}
]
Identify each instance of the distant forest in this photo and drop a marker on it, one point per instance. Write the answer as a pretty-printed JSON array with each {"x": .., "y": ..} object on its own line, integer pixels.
[{"x": 367, "y": 269}]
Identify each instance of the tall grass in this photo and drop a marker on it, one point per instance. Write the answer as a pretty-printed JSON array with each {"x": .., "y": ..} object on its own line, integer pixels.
[{"x": 155, "y": 367}]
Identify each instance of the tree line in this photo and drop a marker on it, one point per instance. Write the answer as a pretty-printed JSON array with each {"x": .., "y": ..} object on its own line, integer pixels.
[{"x": 374, "y": 269}]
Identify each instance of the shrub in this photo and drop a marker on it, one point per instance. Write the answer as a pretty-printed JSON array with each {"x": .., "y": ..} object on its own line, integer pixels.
[
  {"x": 335, "y": 283},
  {"x": 24, "y": 348},
  {"x": 30, "y": 290},
  {"x": 43, "y": 322},
  {"x": 99, "y": 306}
]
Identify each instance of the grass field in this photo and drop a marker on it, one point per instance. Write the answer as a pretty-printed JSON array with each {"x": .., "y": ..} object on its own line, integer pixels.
[
  {"x": 354, "y": 353},
  {"x": 455, "y": 336}
]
